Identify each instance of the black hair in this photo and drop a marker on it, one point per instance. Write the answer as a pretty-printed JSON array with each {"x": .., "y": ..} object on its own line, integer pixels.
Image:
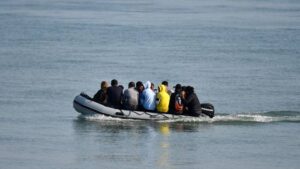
[
  {"x": 178, "y": 88},
  {"x": 165, "y": 83},
  {"x": 190, "y": 89},
  {"x": 131, "y": 84},
  {"x": 138, "y": 84},
  {"x": 114, "y": 82}
]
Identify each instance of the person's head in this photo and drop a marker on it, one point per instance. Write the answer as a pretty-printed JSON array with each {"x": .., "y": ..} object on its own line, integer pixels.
[
  {"x": 189, "y": 90},
  {"x": 139, "y": 86},
  {"x": 165, "y": 83},
  {"x": 178, "y": 88},
  {"x": 104, "y": 85},
  {"x": 183, "y": 91},
  {"x": 131, "y": 84},
  {"x": 152, "y": 86},
  {"x": 147, "y": 85},
  {"x": 114, "y": 82},
  {"x": 121, "y": 86}
]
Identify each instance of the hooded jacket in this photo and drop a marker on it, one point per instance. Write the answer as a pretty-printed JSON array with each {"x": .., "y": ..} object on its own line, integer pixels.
[
  {"x": 114, "y": 96},
  {"x": 148, "y": 97},
  {"x": 163, "y": 99},
  {"x": 193, "y": 104}
]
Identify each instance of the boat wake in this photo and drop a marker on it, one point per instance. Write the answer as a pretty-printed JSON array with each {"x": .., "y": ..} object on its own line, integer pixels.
[
  {"x": 258, "y": 117},
  {"x": 267, "y": 117}
]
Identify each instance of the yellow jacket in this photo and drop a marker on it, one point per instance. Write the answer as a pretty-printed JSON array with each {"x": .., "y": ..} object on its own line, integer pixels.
[{"x": 163, "y": 99}]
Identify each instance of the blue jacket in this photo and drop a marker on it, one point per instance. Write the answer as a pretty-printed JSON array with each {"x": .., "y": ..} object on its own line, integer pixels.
[{"x": 148, "y": 97}]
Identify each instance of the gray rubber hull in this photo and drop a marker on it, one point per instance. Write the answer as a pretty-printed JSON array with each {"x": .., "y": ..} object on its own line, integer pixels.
[{"x": 87, "y": 107}]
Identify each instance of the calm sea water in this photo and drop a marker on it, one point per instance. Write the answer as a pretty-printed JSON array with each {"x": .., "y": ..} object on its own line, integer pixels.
[{"x": 242, "y": 56}]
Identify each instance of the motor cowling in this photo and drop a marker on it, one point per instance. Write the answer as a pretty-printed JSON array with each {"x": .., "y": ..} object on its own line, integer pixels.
[{"x": 208, "y": 109}]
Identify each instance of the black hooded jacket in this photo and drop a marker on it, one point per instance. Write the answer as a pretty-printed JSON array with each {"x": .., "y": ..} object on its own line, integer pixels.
[
  {"x": 114, "y": 96},
  {"x": 193, "y": 104}
]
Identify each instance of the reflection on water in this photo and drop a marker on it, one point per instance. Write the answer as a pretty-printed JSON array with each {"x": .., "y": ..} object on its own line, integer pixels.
[
  {"x": 109, "y": 126},
  {"x": 164, "y": 161},
  {"x": 164, "y": 128},
  {"x": 131, "y": 140},
  {"x": 117, "y": 125}
]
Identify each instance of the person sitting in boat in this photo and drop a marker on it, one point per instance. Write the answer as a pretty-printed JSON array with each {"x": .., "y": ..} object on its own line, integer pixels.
[
  {"x": 191, "y": 102},
  {"x": 130, "y": 97},
  {"x": 148, "y": 98},
  {"x": 140, "y": 88},
  {"x": 167, "y": 85},
  {"x": 114, "y": 95},
  {"x": 100, "y": 96},
  {"x": 162, "y": 99},
  {"x": 176, "y": 105}
]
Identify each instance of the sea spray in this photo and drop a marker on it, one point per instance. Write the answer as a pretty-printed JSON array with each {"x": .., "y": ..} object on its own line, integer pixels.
[{"x": 267, "y": 117}]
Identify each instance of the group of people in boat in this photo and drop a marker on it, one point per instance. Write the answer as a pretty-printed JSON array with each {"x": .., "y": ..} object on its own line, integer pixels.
[{"x": 144, "y": 97}]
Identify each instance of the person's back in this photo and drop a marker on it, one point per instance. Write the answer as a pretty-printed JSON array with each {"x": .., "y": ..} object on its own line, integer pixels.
[
  {"x": 192, "y": 102},
  {"x": 114, "y": 95},
  {"x": 163, "y": 99},
  {"x": 148, "y": 97},
  {"x": 100, "y": 96},
  {"x": 130, "y": 98}
]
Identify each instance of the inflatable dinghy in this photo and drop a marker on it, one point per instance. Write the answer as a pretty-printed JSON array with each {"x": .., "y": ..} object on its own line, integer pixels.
[{"x": 86, "y": 106}]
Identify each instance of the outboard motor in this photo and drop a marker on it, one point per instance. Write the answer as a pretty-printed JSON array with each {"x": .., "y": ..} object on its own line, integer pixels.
[{"x": 208, "y": 109}]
